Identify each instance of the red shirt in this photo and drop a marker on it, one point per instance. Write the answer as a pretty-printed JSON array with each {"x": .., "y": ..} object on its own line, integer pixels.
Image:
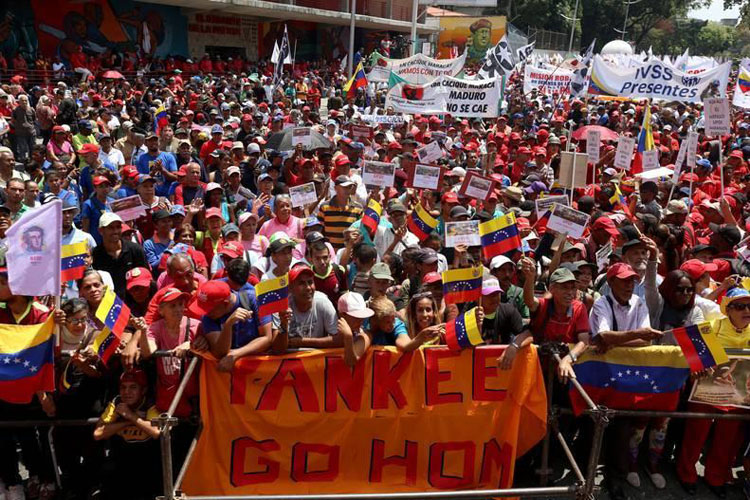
[
  {"x": 35, "y": 314},
  {"x": 559, "y": 326}
]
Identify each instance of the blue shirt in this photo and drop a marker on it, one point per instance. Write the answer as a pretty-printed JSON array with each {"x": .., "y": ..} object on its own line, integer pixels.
[
  {"x": 144, "y": 167},
  {"x": 243, "y": 332},
  {"x": 86, "y": 180},
  {"x": 124, "y": 192},
  {"x": 93, "y": 210},
  {"x": 387, "y": 338},
  {"x": 154, "y": 251}
]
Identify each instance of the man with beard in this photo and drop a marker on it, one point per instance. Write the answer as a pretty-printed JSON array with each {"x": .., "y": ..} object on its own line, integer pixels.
[
  {"x": 636, "y": 253},
  {"x": 159, "y": 164}
]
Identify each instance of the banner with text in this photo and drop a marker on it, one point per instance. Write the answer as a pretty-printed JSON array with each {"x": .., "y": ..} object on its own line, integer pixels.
[
  {"x": 417, "y": 69},
  {"x": 465, "y": 98},
  {"x": 546, "y": 81},
  {"x": 302, "y": 423}
]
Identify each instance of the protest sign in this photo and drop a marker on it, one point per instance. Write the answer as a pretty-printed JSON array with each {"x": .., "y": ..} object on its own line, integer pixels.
[
  {"x": 650, "y": 159},
  {"x": 567, "y": 220},
  {"x": 342, "y": 427},
  {"x": 692, "y": 148},
  {"x": 726, "y": 386},
  {"x": 128, "y": 208},
  {"x": 569, "y": 178},
  {"x": 717, "y": 116},
  {"x": 624, "y": 153},
  {"x": 544, "y": 204},
  {"x": 425, "y": 177},
  {"x": 387, "y": 119},
  {"x": 656, "y": 173},
  {"x": 302, "y": 135},
  {"x": 602, "y": 256},
  {"x": 417, "y": 69},
  {"x": 430, "y": 152},
  {"x": 476, "y": 186},
  {"x": 679, "y": 161},
  {"x": 465, "y": 98},
  {"x": 360, "y": 132},
  {"x": 303, "y": 194},
  {"x": 547, "y": 81},
  {"x": 654, "y": 79},
  {"x": 593, "y": 140},
  {"x": 378, "y": 173},
  {"x": 462, "y": 233}
]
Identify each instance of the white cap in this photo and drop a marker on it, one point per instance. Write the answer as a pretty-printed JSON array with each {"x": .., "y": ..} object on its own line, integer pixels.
[
  {"x": 233, "y": 170},
  {"x": 108, "y": 218},
  {"x": 353, "y": 304},
  {"x": 245, "y": 216},
  {"x": 238, "y": 145},
  {"x": 499, "y": 261},
  {"x": 253, "y": 148},
  {"x": 213, "y": 185},
  {"x": 459, "y": 171}
]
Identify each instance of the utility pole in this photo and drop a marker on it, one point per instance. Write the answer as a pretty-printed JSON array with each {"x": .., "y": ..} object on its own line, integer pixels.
[
  {"x": 625, "y": 23},
  {"x": 414, "y": 9},
  {"x": 350, "y": 59},
  {"x": 573, "y": 20}
]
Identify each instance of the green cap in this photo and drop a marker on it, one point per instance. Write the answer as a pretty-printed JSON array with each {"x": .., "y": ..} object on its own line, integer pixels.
[
  {"x": 562, "y": 275},
  {"x": 381, "y": 271}
]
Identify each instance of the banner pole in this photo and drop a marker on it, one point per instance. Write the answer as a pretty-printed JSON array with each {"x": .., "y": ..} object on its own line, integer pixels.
[{"x": 721, "y": 166}]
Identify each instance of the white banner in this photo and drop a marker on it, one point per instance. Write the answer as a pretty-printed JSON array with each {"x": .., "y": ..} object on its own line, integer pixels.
[
  {"x": 624, "y": 153},
  {"x": 417, "y": 69},
  {"x": 387, "y": 119},
  {"x": 593, "y": 139},
  {"x": 654, "y": 79},
  {"x": 742, "y": 89},
  {"x": 463, "y": 98},
  {"x": 692, "y": 149},
  {"x": 546, "y": 81}
]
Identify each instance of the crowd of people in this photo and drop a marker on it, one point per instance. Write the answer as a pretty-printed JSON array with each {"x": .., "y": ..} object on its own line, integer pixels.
[{"x": 217, "y": 218}]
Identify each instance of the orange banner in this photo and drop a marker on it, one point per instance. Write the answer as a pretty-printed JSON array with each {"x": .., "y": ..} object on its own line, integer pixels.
[{"x": 434, "y": 419}]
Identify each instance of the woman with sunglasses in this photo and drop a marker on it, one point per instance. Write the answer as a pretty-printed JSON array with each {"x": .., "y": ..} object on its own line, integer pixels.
[{"x": 733, "y": 331}]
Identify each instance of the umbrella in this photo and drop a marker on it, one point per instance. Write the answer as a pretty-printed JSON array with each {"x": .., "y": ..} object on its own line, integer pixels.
[
  {"x": 282, "y": 141},
  {"x": 113, "y": 75},
  {"x": 606, "y": 133}
]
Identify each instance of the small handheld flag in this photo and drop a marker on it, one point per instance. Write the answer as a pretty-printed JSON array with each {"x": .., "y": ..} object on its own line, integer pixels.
[
  {"x": 113, "y": 312},
  {"x": 462, "y": 285},
  {"x": 499, "y": 236},
  {"x": 700, "y": 346},
  {"x": 617, "y": 200},
  {"x": 160, "y": 118},
  {"x": 272, "y": 295},
  {"x": 463, "y": 331},
  {"x": 73, "y": 263},
  {"x": 358, "y": 80},
  {"x": 421, "y": 223},
  {"x": 27, "y": 355},
  {"x": 105, "y": 344},
  {"x": 371, "y": 217}
]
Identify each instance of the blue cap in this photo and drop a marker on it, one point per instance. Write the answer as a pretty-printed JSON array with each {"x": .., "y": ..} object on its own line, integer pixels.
[
  {"x": 69, "y": 204},
  {"x": 703, "y": 162},
  {"x": 357, "y": 145},
  {"x": 517, "y": 115},
  {"x": 312, "y": 221},
  {"x": 177, "y": 210},
  {"x": 216, "y": 129},
  {"x": 85, "y": 124}
]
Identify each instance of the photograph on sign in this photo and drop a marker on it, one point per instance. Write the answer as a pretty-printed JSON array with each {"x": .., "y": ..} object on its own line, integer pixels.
[
  {"x": 602, "y": 256},
  {"x": 593, "y": 139},
  {"x": 378, "y": 173},
  {"x": 425, "y": 177},
  {"x": 566, "y": 169},
  {"x": 302, "y": 135},
  {"x": 462, "y": 233},
  {"x": 624, "y": 152},
  {"x": 430, "y": 153},
  {"x": 303, "y": 195},
  {"x": 567, "y": 220},
  {"x": 716, "y": 120},
  {"x": 544, "y": 204},
  {"x": 476, "y": 186},
  {"x": 726, "y": 386},
  {"x": 650, "y": 159},
  {"x": 360, "y": 132},
  {"x": 129, "y": 208}
]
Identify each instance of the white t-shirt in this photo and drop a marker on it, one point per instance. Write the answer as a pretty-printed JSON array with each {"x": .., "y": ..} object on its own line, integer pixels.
[{"x": 319, "y": 321}]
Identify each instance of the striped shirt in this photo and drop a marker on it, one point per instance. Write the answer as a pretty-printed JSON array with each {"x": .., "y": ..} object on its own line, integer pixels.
[{"x": 336, "y": 219}]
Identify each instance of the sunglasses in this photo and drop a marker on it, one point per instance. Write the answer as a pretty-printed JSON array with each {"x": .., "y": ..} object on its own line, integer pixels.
[{"x": 739, "y": 307}]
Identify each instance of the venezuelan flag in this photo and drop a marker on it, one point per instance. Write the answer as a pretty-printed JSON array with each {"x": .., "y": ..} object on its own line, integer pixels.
[
  {"x": 160, "y": 118},
  {"x": 700, "y": 346},
  {"x": 499, "y": 236},
  {"x": 462, "y": 285},
  {"x": 617, "y": 200},
  {"x": 113, "y": 312},
  {"x": 105, "y": 344},
  {"x": 371, "y": 217},
  {"x": 646, "y": 136},
  {"x": 357, "y": 80},
  {"x": 743, "y": 80},
  {"x": 463, "y": 331},
  {"x": 73, "y": 263},
  {"x": 632, "y": 378},
  {"x": 540, "y": 226},
  {"x": 421, "y": 223},
  {"x": 27, "y": 356},
  {"x": 272, "y": 295}
]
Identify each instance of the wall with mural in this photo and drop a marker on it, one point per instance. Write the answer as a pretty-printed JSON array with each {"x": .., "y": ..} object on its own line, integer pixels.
[{"x": 97, "y": 26}]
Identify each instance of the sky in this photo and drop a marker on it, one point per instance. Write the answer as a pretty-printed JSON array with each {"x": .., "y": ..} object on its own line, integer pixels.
[{"x": 714, "y": 12}]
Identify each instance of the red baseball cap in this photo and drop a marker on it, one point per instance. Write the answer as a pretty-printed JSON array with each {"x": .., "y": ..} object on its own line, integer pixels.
[
  {"x": 297, "y": 271},
  {"x": 394, "y": 145},
  {"x": 171, "y": 294},
  {"x": 129, "y": 171},
  {"x": 213, "y": 212},
  {"x": 88, "y": 148},
  {"x": 621, "y": 271},
  {"x": 100, "y": 179},
  {"x": 231, "y": 250},
  {"x": 210, "y": 294},
  {"x": 433, "y": 277},
  {"x": 607, "y": 224},
  {"x": 736, "y": 154},
  {"x": 697, "y": 268},
  {"x": 138, "y": 276},
  {"x": 450, "y": 197},
  {"x": 523, "y": 150}
]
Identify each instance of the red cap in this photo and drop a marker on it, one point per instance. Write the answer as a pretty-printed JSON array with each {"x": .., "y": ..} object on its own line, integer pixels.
[
  {"x": 523, "y": 150},
  {"x": 88, "y": 148},
  {"x": 736, "y": 154},
  {"x": 689, "y": 177},
  {"x": 213, "y": 212},
  {"x": 432, "y": 278},
  {"x": 129, "y": 171},
  {"x": 247, "y": 118},
  {"x": 138, "y": 276},
  {"x": 697, "y": 268},
  {"x": 342, "y": 160},
  {"x": 137, "y": 376},
  {"x": 607, "y": 224},
  {"x": 231, "y": 250},
  {"x": 182, "y": 171},
  {"x": 621, "y": 271},
  {"x": 57, "y": 128},
  {"x": 210, "y": 294},
  {"x": 170, "y": 295},
  {"x": 394, "y": 145},
  {"x": 450, "y": 197},
  {"x": 298, "y": 270},
  {"x": 100, "y": 179}
]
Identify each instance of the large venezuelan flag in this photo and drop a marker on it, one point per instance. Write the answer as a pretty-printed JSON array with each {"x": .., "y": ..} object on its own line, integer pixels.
[
  {"x": 26, "y": 361},
  {"x": 632, "y": 378}
]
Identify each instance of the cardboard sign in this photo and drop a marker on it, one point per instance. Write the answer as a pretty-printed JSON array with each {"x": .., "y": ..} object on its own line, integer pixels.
[
  {"x": 303, "y": 195},
  {"x": 692, "y": 148},
  {"x": 360, "y": 132},
  {"x": 425, "y": 177},
  {"x": 679, "y": 161},
  {"x": 430, "y": 153},
  {"x": 650, "y": 159},
  {"x": 302, "y": 135},
  {"x": 593, "y": 138},
  {"x": 567, "y": 178},
  {"x": 624, "y": 153},
  {"x": 378, "y": 173},
  {"x": 387, "y": 119},
  {"x": 129, "y": 208},
  {"x": 476, "y": 186},
  {"x": 462, "y": 233},
  {"x": 544, "y": 204},
  {"x": 567, "y": 220},
  {"x": 717, "y": 116},
  {"x": 602, "y": 256}
]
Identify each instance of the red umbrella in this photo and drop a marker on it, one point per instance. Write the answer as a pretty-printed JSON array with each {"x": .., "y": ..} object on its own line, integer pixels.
[
  {"x": 606, "y": 134},
  {"x": 113, "y": 75}
]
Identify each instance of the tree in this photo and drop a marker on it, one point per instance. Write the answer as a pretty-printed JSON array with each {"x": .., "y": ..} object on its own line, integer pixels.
[{"x": 714, "y": 39}]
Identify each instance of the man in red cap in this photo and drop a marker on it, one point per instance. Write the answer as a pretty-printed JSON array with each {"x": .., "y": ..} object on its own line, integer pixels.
[
  {"x": 519, "y": 164},
  {"x": 603, "y": 230},
  {"x": 230, "y": 322}
]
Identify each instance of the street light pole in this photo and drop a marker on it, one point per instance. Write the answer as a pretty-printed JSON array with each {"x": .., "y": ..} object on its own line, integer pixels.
[
  {"x": 350, "y": 59},
  {"x": 625, "y": 23},
  {"x": 573, "y": 28},
  {"x": 414, "y": 9}
]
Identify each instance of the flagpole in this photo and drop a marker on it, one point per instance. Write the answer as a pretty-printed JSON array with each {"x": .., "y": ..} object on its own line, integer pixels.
[{"x": 573, "y": 168}]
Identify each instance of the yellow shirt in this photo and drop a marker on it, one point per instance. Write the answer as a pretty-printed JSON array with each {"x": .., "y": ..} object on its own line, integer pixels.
[
  {"x": 729, "y": 336},
  {"x": 131, "y": 433}
]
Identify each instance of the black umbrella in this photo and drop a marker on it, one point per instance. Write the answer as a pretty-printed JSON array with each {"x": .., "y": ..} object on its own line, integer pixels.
[{"x": 282, "y": 141}]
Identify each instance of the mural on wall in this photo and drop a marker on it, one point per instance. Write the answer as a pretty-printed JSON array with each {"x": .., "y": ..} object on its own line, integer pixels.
[
  {"x": 97, "y": 26},
  {"x": 474, "y": 34}
]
